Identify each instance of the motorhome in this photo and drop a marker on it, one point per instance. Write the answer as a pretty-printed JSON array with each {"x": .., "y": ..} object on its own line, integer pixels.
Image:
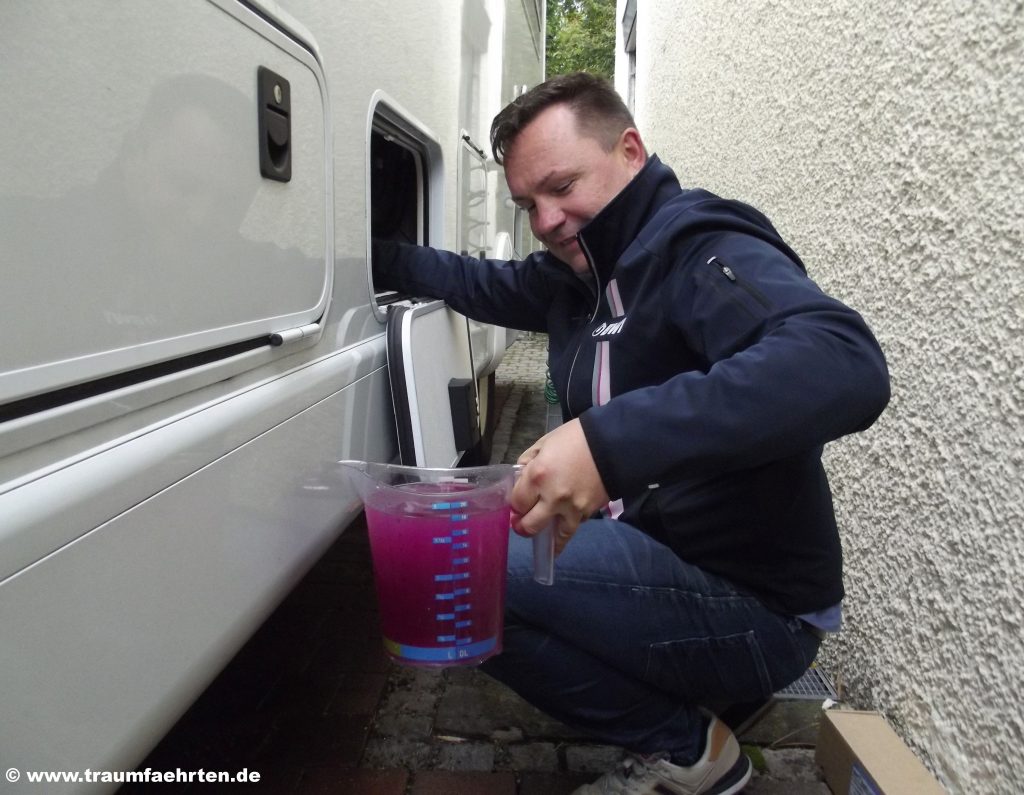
[{"x": 193, "y": 337}]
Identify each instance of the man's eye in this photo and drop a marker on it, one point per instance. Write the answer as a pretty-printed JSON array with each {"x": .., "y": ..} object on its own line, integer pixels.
[{"x": 565, "y": 187}]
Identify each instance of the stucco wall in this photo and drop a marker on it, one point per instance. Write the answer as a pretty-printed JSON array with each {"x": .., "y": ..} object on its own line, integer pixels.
[{"x": 884, "y": 140}]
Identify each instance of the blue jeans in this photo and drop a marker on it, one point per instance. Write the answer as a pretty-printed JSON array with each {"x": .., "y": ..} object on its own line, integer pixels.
[{"x": 630, "y": 640}]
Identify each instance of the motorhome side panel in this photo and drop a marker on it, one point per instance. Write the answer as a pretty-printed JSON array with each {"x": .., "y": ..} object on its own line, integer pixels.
[
  {"x": 138, "y": 224},
  {"x": 166, "y": 471},
  {"x": 107, "y": 641}
]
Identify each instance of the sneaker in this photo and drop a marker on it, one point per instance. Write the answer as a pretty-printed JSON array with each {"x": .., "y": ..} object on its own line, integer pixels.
[{"x": 721, "y": 770}]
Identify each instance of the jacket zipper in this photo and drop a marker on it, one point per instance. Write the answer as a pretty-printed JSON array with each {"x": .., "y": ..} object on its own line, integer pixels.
[
  {"x": 729, "y": 274},
  {"x": 593, "y": 315}
]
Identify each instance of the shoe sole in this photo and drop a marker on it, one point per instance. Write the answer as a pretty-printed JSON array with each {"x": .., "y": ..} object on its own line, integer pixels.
[{"x": 736, "y": 779}]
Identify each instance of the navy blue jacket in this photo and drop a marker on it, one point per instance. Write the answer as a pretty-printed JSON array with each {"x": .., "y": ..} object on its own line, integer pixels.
[{"x": 707, "y": 371}]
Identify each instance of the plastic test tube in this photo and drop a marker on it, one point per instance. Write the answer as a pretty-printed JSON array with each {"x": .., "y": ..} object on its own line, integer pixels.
[
  {"x": 543, "y": 550},
  {"x": 544, "y": 556}
]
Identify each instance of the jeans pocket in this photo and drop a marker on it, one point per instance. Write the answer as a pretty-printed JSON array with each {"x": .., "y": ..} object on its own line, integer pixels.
[{"x": 699, "y": 670}]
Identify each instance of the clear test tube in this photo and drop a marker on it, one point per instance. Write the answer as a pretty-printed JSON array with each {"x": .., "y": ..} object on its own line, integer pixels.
[
  {"x": 543, "y": 550},
  {"x": 544, "y": 556}
]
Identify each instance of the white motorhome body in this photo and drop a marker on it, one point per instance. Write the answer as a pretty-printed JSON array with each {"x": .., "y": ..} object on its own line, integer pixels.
[{"x": 192, "y": 335}]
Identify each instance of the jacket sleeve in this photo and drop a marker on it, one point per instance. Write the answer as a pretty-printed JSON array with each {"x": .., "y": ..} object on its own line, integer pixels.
[
  {"x": 513, "y": 293},
  {"x": 788, "y": 369}
]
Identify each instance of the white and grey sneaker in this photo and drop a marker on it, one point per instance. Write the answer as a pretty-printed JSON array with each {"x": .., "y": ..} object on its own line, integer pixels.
[{"x": 721, "y": 770}]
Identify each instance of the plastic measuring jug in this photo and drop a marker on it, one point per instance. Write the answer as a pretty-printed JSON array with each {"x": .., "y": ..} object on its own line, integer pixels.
[{"x": 439, "y": 545}]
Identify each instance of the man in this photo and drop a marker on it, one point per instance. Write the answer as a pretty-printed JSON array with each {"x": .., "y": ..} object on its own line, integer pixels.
[{"x": 700, "y": 372}]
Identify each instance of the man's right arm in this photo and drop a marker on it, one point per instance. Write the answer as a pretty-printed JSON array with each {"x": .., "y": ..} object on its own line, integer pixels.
[{"x": 506, "y": 293}]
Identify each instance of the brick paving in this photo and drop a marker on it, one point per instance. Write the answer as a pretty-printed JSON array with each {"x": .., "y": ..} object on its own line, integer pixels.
[{"x": 312, "y": 703}]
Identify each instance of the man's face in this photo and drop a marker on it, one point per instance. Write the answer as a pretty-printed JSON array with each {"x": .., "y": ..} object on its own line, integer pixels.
[{"x": 564, "y": 178}]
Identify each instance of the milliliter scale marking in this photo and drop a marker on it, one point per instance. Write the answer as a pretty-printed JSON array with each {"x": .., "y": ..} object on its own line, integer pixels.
[{"x": 460, "y": 595}]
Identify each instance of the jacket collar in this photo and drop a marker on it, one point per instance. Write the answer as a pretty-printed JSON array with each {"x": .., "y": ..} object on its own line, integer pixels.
[{"x": 614, "y": 228}]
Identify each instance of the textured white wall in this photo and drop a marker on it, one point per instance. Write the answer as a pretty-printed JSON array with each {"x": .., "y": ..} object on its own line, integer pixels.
[{"x": 884, "y": 140}]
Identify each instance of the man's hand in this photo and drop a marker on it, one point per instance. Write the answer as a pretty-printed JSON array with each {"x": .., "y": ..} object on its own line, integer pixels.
[{"x": 559, "y": 485}]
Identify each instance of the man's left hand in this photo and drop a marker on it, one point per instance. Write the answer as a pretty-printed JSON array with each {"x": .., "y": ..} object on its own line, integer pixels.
[{"x": 559, "y": 484}]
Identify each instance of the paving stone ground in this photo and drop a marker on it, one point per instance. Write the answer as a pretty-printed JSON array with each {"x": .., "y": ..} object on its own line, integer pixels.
[{"x": 313, "y": 704}]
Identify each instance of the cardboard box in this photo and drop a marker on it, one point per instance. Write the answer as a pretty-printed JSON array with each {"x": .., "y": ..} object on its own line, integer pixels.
[{"x": 860, "y": 754}]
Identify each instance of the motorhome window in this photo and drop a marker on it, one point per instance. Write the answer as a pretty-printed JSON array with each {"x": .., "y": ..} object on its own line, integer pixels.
[
  {"x": 396, "y": 191},
  {"x": 398, "y": 206}
]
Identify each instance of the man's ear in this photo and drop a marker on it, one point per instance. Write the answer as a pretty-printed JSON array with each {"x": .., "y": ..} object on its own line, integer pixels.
[{"x": 631, "y": 146}]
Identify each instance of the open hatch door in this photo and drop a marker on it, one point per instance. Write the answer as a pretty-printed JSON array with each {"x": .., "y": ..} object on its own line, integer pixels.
[{"x": 433, "y": 385}]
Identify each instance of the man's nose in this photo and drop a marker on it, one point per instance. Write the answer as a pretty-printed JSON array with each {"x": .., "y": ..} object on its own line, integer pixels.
[{"x": 548, "y": 216}]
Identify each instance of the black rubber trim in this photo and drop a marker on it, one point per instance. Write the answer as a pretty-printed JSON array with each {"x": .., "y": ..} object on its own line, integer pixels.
[
  {"x": 399, "y": 388},
  {"x": 62, "y": 397},
  {"x": 279, "y": 26}
]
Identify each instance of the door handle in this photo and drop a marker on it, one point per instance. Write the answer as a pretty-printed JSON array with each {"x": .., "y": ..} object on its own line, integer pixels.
[{"x": 275, "y": 125}]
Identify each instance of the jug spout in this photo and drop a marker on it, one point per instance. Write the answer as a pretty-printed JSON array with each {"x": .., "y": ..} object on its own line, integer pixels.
[{"x": 355, "y": 474}]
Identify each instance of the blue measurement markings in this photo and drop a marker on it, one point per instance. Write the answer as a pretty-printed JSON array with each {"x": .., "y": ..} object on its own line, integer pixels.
[
  {"x": 460, "y": 595},
  {"x": 448, "y": 506}
]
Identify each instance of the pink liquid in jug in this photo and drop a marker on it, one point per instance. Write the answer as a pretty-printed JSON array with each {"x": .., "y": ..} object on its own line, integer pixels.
[{"x": 439, "y": 568}]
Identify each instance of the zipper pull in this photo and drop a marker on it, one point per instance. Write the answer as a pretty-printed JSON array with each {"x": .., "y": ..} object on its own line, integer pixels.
[{"x": 725, "y": 269}]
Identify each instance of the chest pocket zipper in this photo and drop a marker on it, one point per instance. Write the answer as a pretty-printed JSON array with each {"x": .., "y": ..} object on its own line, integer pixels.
[{"x": 729, "y": 274}]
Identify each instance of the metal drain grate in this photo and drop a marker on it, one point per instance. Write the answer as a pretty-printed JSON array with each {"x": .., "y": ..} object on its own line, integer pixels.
[{"x": 813, "y": 685}]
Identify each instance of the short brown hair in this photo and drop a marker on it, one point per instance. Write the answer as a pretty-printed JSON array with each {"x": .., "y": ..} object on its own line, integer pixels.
[{"x": 600, "y": 112}]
